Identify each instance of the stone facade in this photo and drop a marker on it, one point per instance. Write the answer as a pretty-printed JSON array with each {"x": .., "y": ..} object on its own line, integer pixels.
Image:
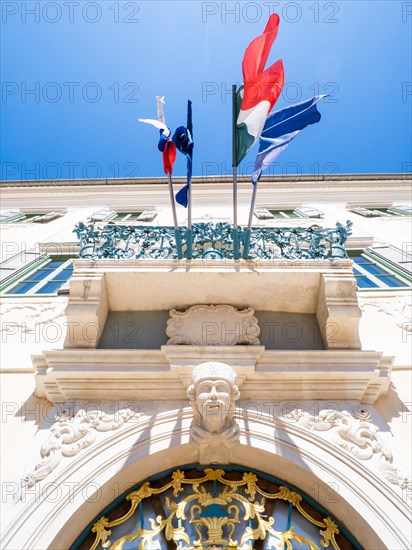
[{"x": 82, "y": 423}]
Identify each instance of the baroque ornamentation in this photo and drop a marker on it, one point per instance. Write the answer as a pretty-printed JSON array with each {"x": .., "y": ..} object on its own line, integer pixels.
[
  {"x": 212, "y": 241},
  {"x": 224, "y": 513},
  {"x": 68, "y": 436},
  {"x": 362, "y": 414},
  {"x": 357, "y": 435},
  {"x": 27, "y": 316},
  {"x": 398, "y": 307},
  {"x": 397, "y": 477},
  {"x": 212, "y": 394},
  {"x": 220, "y": 325}
]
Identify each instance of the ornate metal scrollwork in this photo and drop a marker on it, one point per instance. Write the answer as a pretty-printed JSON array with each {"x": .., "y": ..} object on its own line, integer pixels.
[
  {"x": 212, "y": 241},
  {"x": 214, "y": 512}
]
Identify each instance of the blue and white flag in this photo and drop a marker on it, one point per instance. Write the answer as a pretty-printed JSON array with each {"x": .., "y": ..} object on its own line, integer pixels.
[{"x": 279, "y": 130}]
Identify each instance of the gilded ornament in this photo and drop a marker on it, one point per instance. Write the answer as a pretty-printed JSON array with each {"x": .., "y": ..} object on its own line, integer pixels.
[{"x": 214, "y": 529}]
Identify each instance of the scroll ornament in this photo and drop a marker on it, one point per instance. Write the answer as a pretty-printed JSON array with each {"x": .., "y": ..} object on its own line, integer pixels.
[{"x": 68, "y": 436}]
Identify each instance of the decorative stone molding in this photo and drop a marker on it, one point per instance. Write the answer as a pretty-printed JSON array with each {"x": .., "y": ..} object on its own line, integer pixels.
[
  {"x": 212, "y": 394},
  {"x": 209, "y": 325},
  {"x": 398, "y": 307},
  {"x": 355, "y": 433},
  {"x": 398, "y": 477},
  {"x": 364, "y": 499},
  {"x": 62, "y": 375},
  {"x": 86, "y": 310},
  {"x": 68, "y": 436},
  {"x": 27, "y": 316},
  {"x": 359, "y": 437}
]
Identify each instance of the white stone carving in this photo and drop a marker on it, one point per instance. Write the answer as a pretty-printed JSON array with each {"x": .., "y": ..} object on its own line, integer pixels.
[
  {"x": 27, "y": 316},
  {"x": 220, "y": 325},
  {"x": 397, "y": 477},
  {"x": 360, "y": 437},
  {"x": 212, "y": 394},
  {"x": 362, "y": 414},
  {"x": 68, "y": 436},
  {"x": 357, "y": 435},
  {"x": 398, "y": 307}
]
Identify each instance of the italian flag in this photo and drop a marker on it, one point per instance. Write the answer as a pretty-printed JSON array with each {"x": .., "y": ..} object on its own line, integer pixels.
[{"x": 260, "y": 91}]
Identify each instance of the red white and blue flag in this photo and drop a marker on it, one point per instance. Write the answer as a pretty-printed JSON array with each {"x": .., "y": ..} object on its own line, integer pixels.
[{"x": 165, "y": 145}]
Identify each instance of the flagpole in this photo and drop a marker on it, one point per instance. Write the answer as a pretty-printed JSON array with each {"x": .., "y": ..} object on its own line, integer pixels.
[
  {"x": 189, "y": 223},
  {"x": 189, "y": 238},
  {"x": 249, "y": 225},
  {"x": 175, "y": 223},
  {"x": 235, "y": 232}
]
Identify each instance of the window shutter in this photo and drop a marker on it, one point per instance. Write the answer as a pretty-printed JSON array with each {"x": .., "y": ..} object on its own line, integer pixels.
[
  {"x": 308, "y": 212},
  {"x": 365, "y": 212},
  {"x": 18, "y": 262},
  {"x": 263, "y": 214},
  {"x": 101, "y": 215},
  {"x": 44, "y": 218},
  {"x": 147, "y": 216},
  {"x": 401, "y": 209},
  {"x": 10, "y": 215}
]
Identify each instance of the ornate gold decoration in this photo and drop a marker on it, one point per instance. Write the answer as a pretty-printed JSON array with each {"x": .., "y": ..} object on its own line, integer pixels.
[{"x": 210, "y": 527}]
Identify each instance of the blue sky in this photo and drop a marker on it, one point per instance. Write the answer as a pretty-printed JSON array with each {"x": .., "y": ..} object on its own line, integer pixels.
[{"x": 76, "y": 76}]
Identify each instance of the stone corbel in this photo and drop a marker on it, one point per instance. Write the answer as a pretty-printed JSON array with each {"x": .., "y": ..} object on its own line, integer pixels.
[
  {"x": 338, "y": 312},
  {"x": 86, "y": 311}
]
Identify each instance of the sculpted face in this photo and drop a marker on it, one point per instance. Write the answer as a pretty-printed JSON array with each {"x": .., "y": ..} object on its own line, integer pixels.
[{"x": 213, "y": 398}]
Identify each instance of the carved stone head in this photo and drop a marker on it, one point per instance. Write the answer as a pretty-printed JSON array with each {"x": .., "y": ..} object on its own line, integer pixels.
[{"x": 212, "y": 394}]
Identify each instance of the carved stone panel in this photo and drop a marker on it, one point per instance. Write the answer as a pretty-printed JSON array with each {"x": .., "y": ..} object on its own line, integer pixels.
[{"x": 220, "y": 325}]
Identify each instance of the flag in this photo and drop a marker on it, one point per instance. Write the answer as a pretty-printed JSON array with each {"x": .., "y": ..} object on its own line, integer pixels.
[
  {"x": 165, "y": 145},
  {"x": 279, "y": 130},
  {"x": 183, "y": 139},
  {"x": 260, "y": 91}
]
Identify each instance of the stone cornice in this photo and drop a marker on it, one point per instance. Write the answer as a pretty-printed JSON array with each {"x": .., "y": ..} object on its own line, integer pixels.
[
  {"x": 89, "y": 267},
  {"x": 164, "y": 374},
  {"x": 209, "y": 192},
  {"x": 302, "y": 179}
]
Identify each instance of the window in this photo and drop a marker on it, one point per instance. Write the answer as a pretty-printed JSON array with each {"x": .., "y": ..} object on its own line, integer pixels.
[
  {"x": 123, "y": 217},
  {"x": 371, "y": 272},
  {"x": 217, "y": 507},
  {"x": 301, "y": 212},
  {"x": 400, "y": 210},
  {"x": 15, "y": 216},
  {"x": 47, "y": 275},
  {"x": 17, "y": 263}
]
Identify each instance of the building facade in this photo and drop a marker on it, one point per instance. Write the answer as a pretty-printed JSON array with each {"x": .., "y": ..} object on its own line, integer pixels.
[{"x": 156, "y": 402}]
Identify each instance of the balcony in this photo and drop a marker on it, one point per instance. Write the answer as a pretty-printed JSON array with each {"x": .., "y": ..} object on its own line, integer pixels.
[
  {"x": 212, "y": 241},
  {"x": 297, "y": 288}
]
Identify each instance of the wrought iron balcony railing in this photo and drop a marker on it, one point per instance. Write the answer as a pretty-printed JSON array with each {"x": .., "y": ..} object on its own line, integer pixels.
[{"x": 212, "y": 241}]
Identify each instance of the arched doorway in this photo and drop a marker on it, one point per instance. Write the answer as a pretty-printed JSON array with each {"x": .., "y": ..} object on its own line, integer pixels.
[{"x": 214, "y": 508}]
